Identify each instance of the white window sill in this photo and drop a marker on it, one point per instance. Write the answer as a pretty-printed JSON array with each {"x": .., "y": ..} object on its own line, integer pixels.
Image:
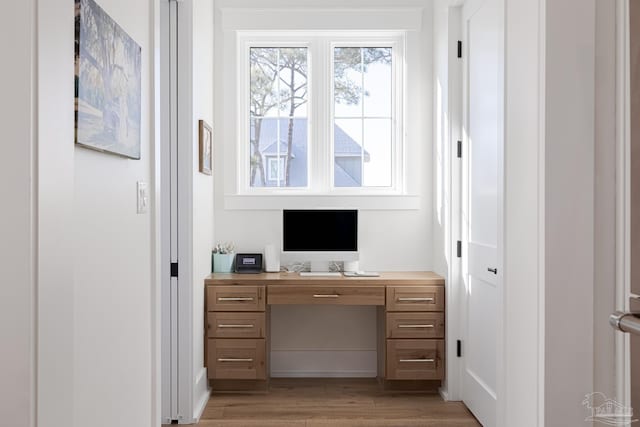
[{"x": 392, "y": 202}]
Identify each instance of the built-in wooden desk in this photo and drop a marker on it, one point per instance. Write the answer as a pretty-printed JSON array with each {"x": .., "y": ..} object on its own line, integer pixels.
[{"x": 410, "y": 321}]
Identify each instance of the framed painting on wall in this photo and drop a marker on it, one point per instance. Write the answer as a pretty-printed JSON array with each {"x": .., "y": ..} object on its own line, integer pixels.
[
  {"x": 108, "y": 99},
  {"x": 206, "y": 139}
]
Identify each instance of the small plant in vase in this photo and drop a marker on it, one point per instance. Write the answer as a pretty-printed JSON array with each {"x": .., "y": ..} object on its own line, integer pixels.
[{"x": 223, "y": 256}]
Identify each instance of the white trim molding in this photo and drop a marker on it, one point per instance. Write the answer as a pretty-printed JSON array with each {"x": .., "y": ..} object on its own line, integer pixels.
[
  {"x": 623, "y": 138},
  {"x": 391, "y": 18},
  {"x": 201, "y": 388},
  {"x": 362, "y": 202}
]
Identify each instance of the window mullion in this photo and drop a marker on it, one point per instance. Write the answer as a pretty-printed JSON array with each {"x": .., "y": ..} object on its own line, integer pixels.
[
  {"x": 244, "y": 152},
  {"x": 321, "y": 96},
  {"x": 279, "y": 101},
  {"x": 362, "y": 117}
]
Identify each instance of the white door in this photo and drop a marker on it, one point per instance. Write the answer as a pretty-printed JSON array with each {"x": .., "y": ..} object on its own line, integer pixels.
[
  {"x": 482, "y": 193},
  {"x": 176, "y": 305},
  {"x": 169, "y": 234}
]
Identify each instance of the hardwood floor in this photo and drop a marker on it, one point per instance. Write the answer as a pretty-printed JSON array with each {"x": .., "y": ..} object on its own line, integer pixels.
[{"x": 332, "y": 402}]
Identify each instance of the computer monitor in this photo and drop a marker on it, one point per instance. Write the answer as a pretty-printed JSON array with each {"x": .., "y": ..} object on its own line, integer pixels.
[{"x": 320, "y": 236}]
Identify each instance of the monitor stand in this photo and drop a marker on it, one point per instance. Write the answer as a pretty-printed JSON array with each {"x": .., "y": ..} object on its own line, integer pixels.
[{"x": 321, "y": 269}]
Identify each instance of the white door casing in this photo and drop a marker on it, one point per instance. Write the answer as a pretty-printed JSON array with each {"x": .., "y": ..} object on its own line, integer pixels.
[
  {"x": 177, "y": 296},
  {"x": 482, "y": 205},
  {"x": 623, "y": 197},
  {"x": 634, "y": 191},
  {"x": 169, "y": 227},
  {"x": 627, "y": 253}
]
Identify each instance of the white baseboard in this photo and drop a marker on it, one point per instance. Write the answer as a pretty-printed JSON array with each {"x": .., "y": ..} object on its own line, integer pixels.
[
  {"x": 314, "y": 363},
  {"x": 201, "y": 395},
  {"x": 324, "y": 374},
  {"x": 444, "y": 394}
]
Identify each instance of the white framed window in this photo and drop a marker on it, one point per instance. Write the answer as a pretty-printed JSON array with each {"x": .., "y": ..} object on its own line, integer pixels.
[{"x": 328, "y": 105}]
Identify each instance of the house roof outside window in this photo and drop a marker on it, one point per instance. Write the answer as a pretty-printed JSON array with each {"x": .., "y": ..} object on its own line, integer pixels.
[{"x": 345, "y": 149}]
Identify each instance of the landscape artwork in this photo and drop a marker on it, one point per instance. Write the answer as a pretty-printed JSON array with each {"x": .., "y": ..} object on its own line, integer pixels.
[{"x": 107, "y": 83}]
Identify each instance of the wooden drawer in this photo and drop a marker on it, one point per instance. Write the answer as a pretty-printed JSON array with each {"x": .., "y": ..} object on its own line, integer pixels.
[
  {"x": 347, "y": 295},
  {"x": 235, "y": 325},
  {"x": 237, "y": 359},
  {"x": 415, "y": 325},
  {"x": 235, "y": 298},
  {"x": 415, "y": 360},
  {"x": 415, "y": 298}
]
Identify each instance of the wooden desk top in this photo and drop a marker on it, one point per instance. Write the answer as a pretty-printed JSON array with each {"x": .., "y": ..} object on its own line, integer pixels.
[{"x": 398, "y": 278}]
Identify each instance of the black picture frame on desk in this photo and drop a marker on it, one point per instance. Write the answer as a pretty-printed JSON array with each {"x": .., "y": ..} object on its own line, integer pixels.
[{"x": 248, "y": 263}]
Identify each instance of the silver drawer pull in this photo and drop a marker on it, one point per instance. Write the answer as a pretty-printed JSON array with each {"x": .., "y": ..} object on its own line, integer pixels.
[
  {"x": 417, "y": 360},
  {"x": 235, "y": 299},
  {"x": 415, "y": 299},
  {"x": 235, "y": 326},
  {"x": 325, "y": 296},
  {"x": 235, "y": 360},
  {"x": 416, "y": 326}
]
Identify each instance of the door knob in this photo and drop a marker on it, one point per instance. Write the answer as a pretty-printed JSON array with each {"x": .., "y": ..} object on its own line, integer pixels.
[
  {"x": 625, "y": 322},
  {"x": 492, "y": 270}
]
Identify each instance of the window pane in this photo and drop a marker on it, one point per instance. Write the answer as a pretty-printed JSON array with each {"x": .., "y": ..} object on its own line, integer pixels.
[
  {"x": 347, "y": 91},
  {"x": 278, "y": 125},
  {"x": 363, "y": 117},
  {"x": 263, "y": 70},
  {"x": 377, "y": 81},
  {"x": 271, "y": 165},
  {"x": 347, "y": 140},
  {"x": 377, "y": 149},
  {"x": 293, "y": 81}
]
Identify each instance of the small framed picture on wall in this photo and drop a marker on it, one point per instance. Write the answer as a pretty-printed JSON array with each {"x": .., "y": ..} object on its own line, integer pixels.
[{"x": 206, "y": 147}]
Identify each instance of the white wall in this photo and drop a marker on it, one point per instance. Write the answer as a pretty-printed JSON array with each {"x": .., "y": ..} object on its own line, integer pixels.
[
  {"x": 112, "y": 265},
  {"x": 56, "y": 256},
  {"x": 521, "y": 401},
  {"x": 441, "y": 132},
  {"x": 569, "y": 212},
  {"x": 95, "y": 251},
  {"x": 17, "y": 228},
  {"x": 447, "y": 100},
  {"x": 202, "y": 186},
  {"x": 389, "y": 240}
]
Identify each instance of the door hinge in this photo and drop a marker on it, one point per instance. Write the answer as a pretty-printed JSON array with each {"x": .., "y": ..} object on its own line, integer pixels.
[
  {"x": 459, "y": 348},
  {"x": 459, "y": 249},
  {"x": 174, "y": 269},
  {"x": 459, "y": 49},
  {"x": 459, "y": 149}
]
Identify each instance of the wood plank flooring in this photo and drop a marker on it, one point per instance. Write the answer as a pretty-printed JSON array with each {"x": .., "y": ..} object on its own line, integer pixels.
[{"x": 332, "y": 402}]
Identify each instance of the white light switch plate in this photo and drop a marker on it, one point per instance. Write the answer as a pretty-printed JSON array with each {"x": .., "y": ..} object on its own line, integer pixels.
[{"x": 143, "y": 197}]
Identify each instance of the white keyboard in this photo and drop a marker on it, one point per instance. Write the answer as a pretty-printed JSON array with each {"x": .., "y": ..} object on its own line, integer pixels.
[
  {"x": 320, "y": 274},
  {"x": 361, "y": 274}
]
